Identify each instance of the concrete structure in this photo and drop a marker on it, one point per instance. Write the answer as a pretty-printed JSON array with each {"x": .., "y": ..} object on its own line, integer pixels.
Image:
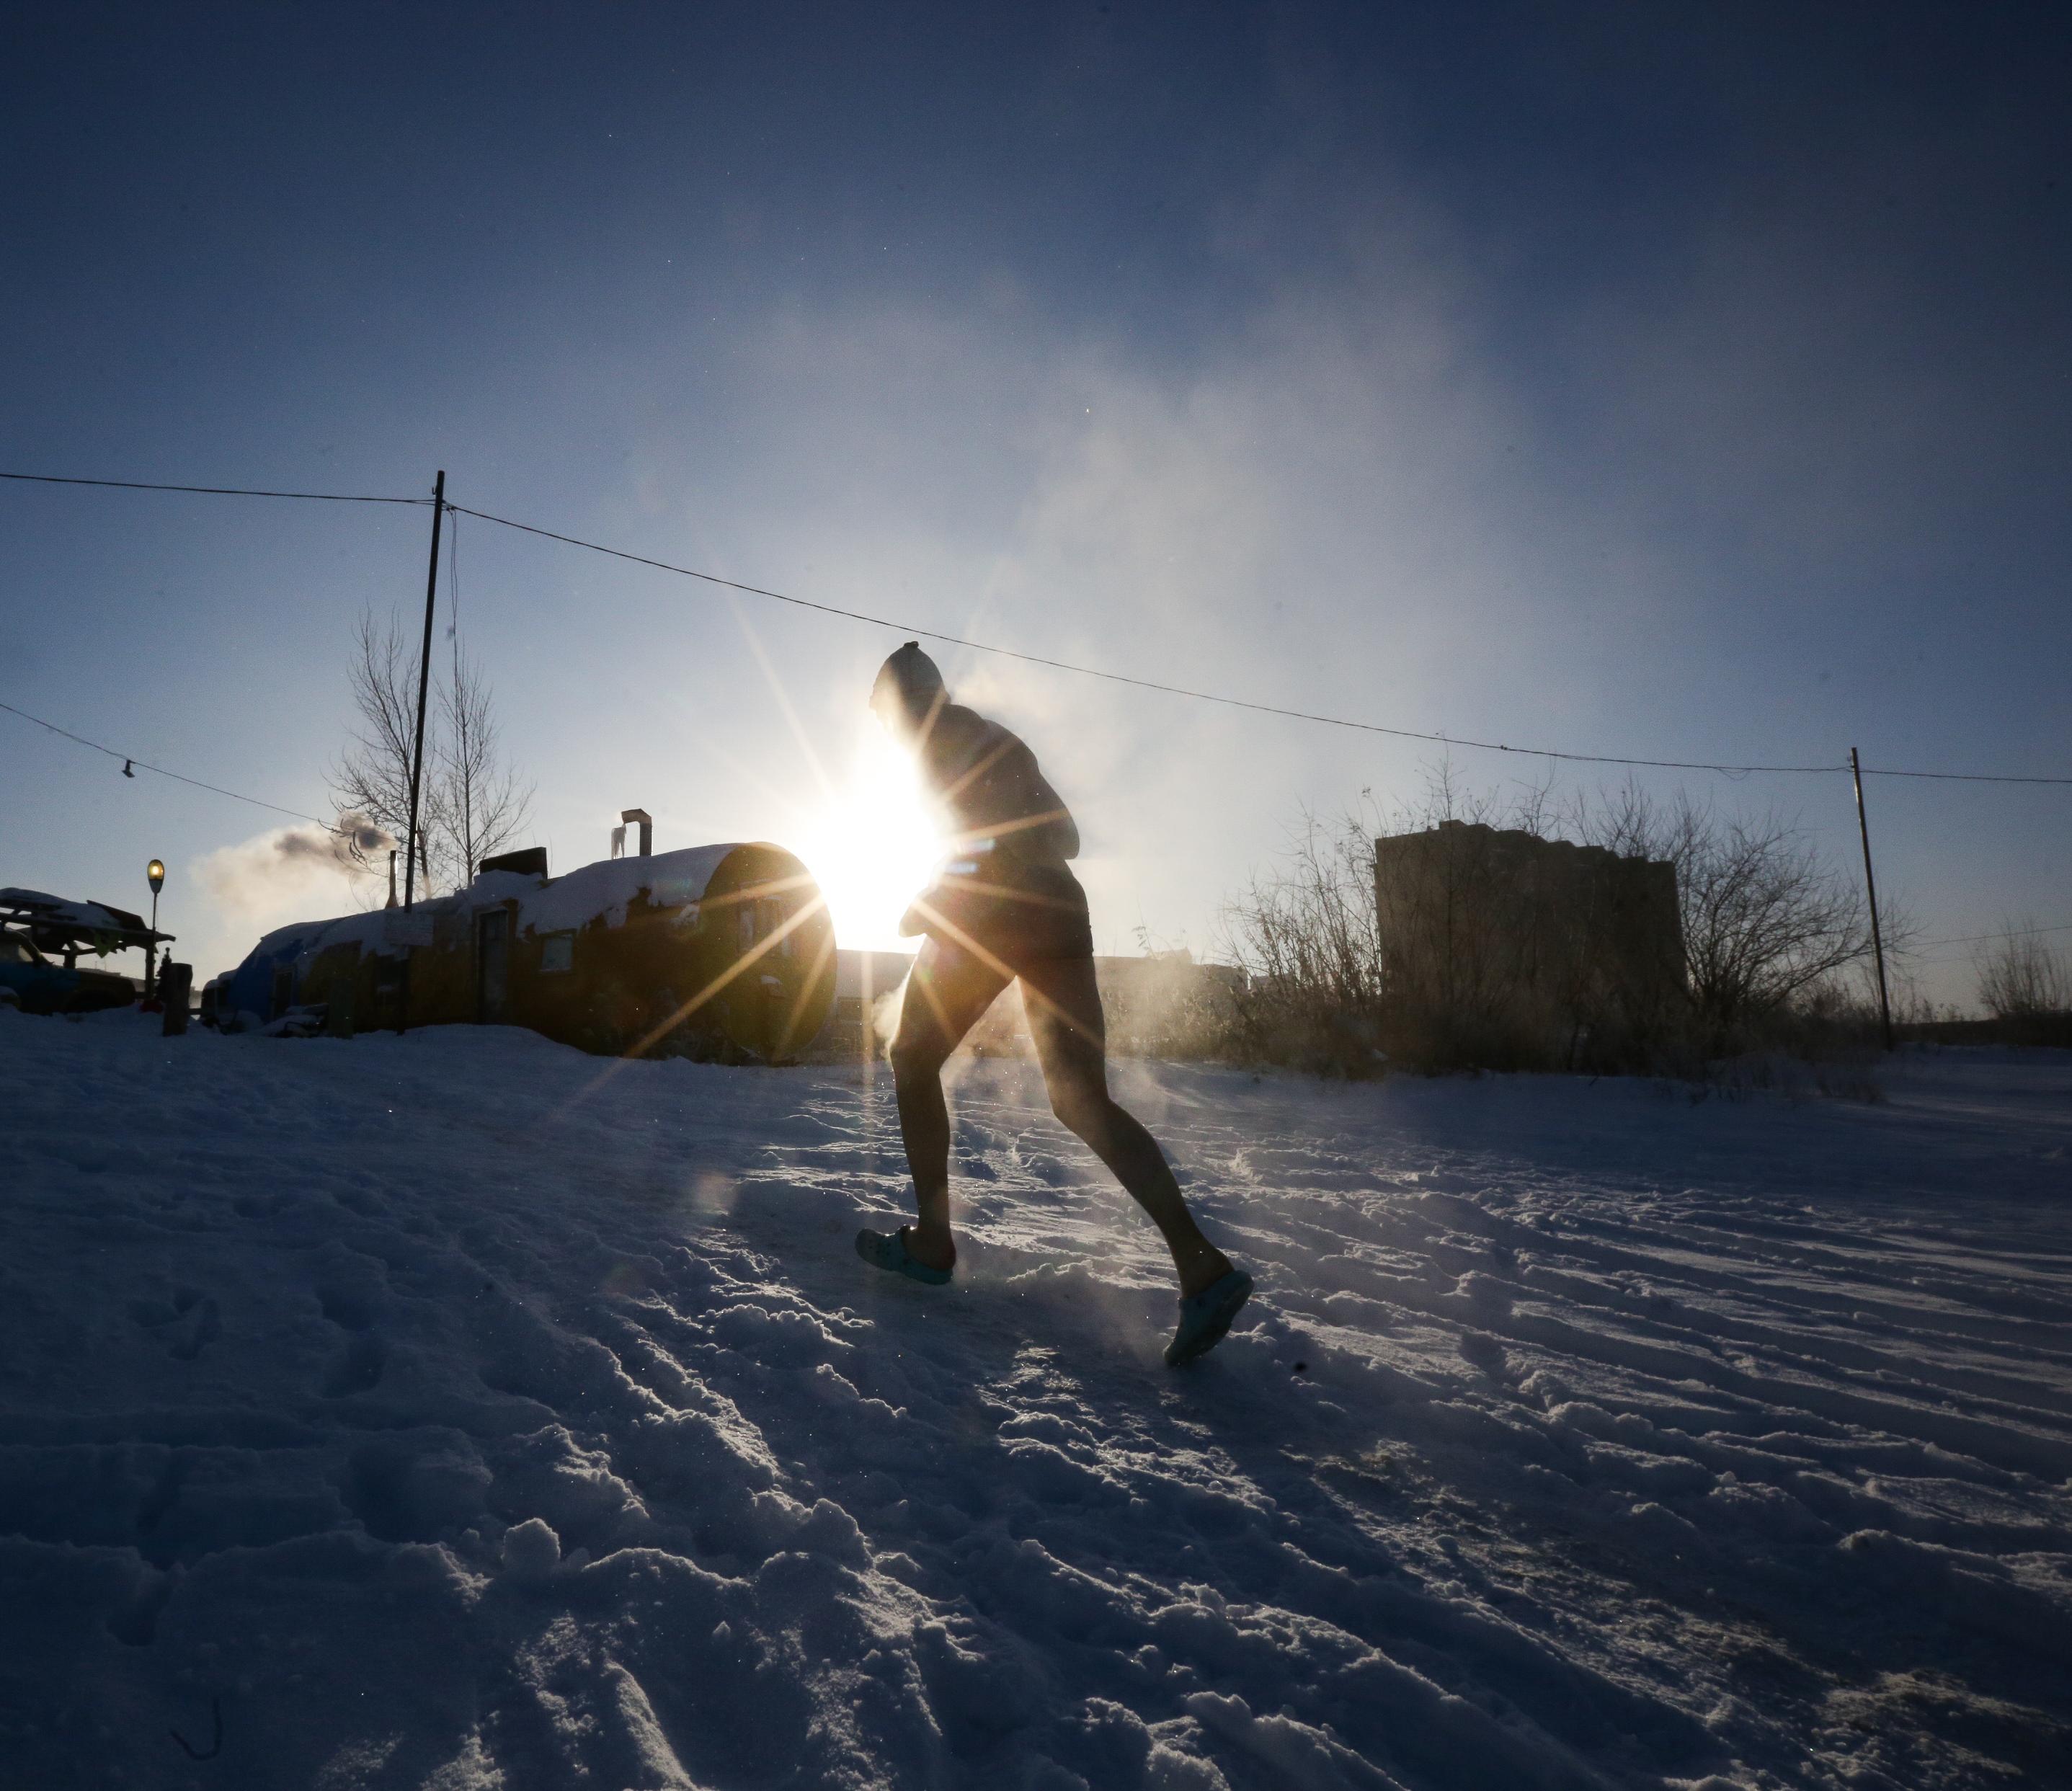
[
  {"x": 1501, "y": 947},
  {"x": 723, "y": 951}
]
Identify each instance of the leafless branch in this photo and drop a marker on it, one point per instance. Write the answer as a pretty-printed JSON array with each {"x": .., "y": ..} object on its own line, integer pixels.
[{"x": 471, "y": 804}]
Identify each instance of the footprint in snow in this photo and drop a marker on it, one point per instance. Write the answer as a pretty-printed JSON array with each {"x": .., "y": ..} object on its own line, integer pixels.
[
  {"x": 359, "y": 1369},
  {"x": 185, "y": 1325}
]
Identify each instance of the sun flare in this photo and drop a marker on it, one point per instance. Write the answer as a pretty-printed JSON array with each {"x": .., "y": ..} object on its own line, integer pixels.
[{"x": 874, "y": 847}]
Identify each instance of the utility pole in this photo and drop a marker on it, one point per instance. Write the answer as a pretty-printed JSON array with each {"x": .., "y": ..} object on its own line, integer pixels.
[
  {"x": 417, "y": 753},
  {"x": 1870, "y": 887}
]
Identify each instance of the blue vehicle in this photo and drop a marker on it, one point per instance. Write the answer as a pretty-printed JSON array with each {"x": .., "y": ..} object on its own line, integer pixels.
[
  {"x": 36, "y": 928},
  {"x": 30, "y": 981}
]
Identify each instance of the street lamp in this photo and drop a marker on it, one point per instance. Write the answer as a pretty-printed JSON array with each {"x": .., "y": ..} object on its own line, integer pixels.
[{"x": 156, "y": 872}]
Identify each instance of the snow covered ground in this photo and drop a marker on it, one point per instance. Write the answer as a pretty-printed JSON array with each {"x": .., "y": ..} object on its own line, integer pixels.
[{"x": 452, "y": 1411}]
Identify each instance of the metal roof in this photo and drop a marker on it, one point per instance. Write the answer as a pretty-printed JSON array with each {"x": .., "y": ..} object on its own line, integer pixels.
[{"x": 54, "y": 922}]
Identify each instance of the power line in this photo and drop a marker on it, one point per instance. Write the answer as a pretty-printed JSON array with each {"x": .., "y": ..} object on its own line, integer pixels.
[
  {"x": 1911, "y": 954},
  {"x": 2012, "y": 933},
  {"x": 1139, "y": 684},
  {"x": 210, "y": 491},
  {"x": 1958, "y": 776},
  {"x": 1038, "y": 659},
  {"x": 130, "y": 760},
  {"x": 1235, "y": 702},
  {"x": 453, "y": 603}
]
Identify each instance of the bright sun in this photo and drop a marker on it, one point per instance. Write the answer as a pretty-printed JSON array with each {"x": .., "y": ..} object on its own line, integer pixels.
[{"x": 873, "y": 847}]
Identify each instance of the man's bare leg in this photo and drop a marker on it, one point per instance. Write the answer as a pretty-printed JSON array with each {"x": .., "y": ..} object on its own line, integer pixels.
[
  {"x": 1063, "y": 1003},
  {"x": 947, "y": 993}
]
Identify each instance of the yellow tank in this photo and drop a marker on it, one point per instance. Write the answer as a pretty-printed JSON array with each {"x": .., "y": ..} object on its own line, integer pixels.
[{"x": 723, "y": 951}]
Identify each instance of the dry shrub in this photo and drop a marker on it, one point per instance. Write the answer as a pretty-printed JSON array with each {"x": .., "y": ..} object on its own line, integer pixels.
[
  {"x": 1308, "y": 937},
  {"x": 2022, "y": 980},
  {"x": 1162, "y": 1004}
]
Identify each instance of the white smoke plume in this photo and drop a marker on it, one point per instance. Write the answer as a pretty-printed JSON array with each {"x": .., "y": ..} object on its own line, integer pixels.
[{"x": 298, "y": 873}]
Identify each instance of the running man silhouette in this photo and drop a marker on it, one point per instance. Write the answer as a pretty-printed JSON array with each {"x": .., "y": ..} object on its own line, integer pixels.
[{"x": 1006, "y": 907}]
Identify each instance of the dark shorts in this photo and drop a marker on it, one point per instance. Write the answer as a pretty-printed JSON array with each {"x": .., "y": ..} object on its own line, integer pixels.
[{"x": 1013, "y": 912}]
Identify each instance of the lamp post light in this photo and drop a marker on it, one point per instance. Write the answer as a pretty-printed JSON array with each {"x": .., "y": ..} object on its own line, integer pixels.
[{"x": 156, "y": 872}]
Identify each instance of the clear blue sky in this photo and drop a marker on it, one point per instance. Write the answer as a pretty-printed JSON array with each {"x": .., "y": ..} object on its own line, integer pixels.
[{"x": 1590, "y": 377}]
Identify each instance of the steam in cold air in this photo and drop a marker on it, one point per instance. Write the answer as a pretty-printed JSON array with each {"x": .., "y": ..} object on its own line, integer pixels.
[
  {"x": 279, "y": 875},
  {"x": 353, "y": 844}
]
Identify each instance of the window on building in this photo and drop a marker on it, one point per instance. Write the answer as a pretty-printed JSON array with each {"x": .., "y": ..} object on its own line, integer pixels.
[{"x": 557, "y": 952}]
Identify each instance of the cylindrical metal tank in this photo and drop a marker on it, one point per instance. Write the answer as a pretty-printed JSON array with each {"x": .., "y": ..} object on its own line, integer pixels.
[{"x": 724, "y": 951}]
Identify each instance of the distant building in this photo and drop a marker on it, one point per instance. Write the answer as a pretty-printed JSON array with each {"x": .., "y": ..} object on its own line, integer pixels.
[
  {"x": 1510, "y": 948},
  {"x": 867, "y": 976},
  {"x": 1162, "y": 1004}
]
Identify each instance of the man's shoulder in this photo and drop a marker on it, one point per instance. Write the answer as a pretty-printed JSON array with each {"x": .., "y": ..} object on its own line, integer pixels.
[{"x": 959, "y": 735}]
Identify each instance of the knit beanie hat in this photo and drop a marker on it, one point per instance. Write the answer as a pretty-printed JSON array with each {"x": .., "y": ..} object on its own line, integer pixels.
[{"x": 910, "y": 678}]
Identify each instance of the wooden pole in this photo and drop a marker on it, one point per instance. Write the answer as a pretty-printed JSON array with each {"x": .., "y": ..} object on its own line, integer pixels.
[
  {"x": 417, "y": 752},
  {"x": 1870, "y": 888}
]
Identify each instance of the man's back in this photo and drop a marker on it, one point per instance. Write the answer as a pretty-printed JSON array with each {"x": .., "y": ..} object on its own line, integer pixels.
[{"x": 993, "y": 788}]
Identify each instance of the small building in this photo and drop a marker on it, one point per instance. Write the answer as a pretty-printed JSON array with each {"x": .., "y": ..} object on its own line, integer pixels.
[
  {"x": 865, "y": 977},
  {"x": 1501, "y": 947},
  {"x": 867, "y": 989},
  {"x": 720, "y": 951},
  {"x": 1161, "y": 1004}
]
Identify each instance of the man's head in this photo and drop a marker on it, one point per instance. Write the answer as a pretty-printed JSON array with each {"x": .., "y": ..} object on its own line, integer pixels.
[{"x": 908, "y": 692}]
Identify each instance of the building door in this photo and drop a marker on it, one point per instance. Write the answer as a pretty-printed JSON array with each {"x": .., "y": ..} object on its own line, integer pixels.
[{"x": 492, "y": 942}]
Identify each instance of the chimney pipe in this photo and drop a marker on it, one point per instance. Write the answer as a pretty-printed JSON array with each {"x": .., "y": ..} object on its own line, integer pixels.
[{"x": 647, "y": 827}]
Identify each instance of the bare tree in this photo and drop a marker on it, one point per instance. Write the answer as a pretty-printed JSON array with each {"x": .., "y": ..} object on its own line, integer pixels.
[
  {"x": 471, "y": 803},
  {"x": 2021, "y": 977},
  {"x": 372, "y": 778},
  {"x": 482, "y": 804},
  {"x": 1307, "y": 934},
  {"x": 1766, "y": 920}
]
